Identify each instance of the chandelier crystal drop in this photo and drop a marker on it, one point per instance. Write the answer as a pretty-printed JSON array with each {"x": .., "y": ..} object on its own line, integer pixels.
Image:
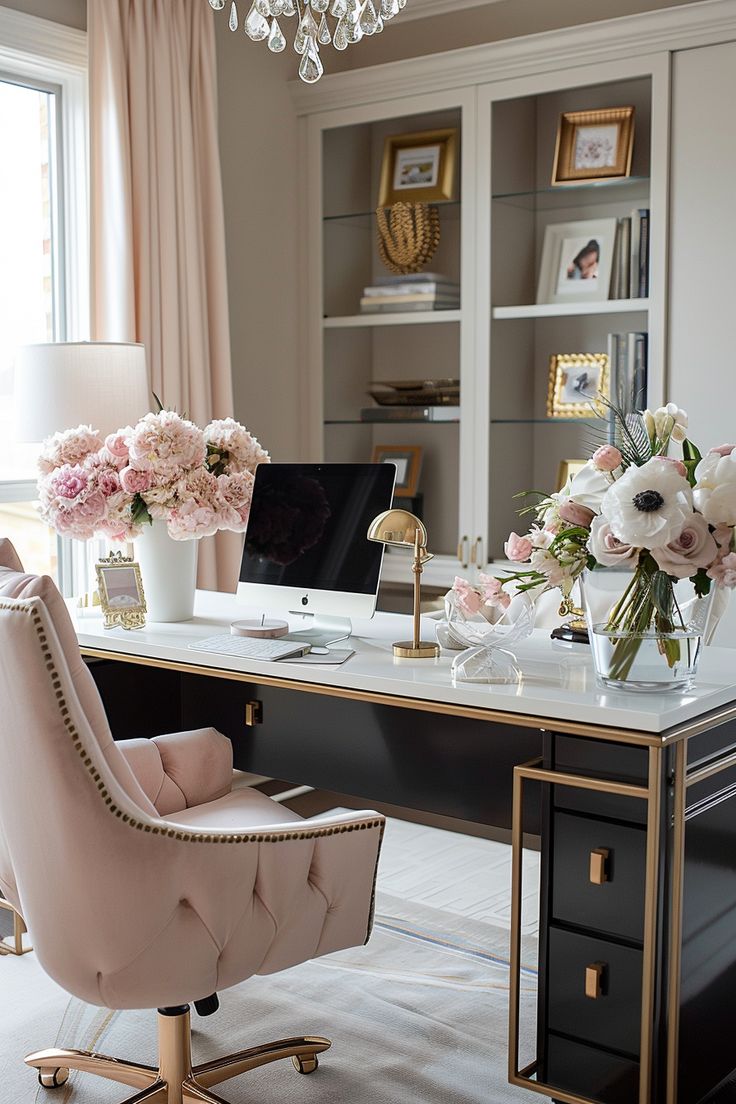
[{"x": 318, "y": 23}]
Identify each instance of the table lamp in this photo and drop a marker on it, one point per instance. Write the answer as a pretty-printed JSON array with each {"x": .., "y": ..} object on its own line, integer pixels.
[
  {"x": 400, "y": 529},
  {"x": 66, "y": 384}
]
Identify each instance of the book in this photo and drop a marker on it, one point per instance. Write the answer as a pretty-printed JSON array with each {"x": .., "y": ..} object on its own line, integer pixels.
[
  {"x": 644, "y": 255},
  {"x": 372, "y": 306},
  {"x": 638, "y": 253},
  {"x": 627, "y": 354},
  {"x": 410, "y": 414},
  {"x": 621, "y": 275},
  {"x": 429, "y": 288},
  {"x": 413, "y": 278}
]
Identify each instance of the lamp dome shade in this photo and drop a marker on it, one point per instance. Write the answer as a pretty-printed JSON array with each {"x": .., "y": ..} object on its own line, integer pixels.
[{"x": 397, "y": 528}]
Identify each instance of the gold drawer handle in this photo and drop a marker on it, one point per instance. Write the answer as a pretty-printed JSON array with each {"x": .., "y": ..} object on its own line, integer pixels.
[
  {"x": 594, "y": 980},
  {"x": 461, "y": 551},
  {"x": 253, "y": 713},
  {"x": 599, "y": 865}
]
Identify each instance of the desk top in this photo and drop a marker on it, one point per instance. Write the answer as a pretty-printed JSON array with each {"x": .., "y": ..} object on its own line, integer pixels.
[{"x": 558, "y": 684}]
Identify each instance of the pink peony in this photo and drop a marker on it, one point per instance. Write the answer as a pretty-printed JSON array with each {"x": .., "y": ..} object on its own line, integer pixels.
[
  {"x": 70, "y": 446},
  {"x": 724, "y": 571},
  {"x": 134, "y": 481},
  {"x": 236, "y": 492},
  {"x": 607, "y": 458},
  {"x": 518, "y": 549},
  {"x": 493, "y": 593},
  {"x": 116, "y": 443},
  {"x": 232, "y": 446},
  {"x": 608, "y": 549},
  {"x": 694, "y": 548},
  {"x": 576, "y": 514},
  {"x": 166, "y": 444},
  {"x": 468, "y": 599},
  {"x": 69, "y": 482}
]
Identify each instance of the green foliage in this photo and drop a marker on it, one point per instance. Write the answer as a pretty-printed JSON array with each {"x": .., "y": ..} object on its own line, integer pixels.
[
  {"x": 691, "y": 456},
  {"x": 702, "y": 583}
]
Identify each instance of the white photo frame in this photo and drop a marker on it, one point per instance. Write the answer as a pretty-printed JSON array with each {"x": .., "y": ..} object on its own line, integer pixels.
[{"x": 577, "y": 261}]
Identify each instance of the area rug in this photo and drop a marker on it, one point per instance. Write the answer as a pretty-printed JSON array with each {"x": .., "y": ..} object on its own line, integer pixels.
[{"x": 419, "y": 1016}]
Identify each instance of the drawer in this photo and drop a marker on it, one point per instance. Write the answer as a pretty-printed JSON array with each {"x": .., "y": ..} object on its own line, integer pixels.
[
  {"x": 612, "y": 1019},
  {"x": 617, "y": 905},
  {"x": 601, "y": 759},
  {"x": 577, "y": 1068}
]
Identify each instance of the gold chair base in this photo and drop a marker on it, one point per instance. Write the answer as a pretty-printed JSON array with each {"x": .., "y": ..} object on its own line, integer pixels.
[
  {"x": 19, "y": 930},
  {"x": 175, "y": 1081}
]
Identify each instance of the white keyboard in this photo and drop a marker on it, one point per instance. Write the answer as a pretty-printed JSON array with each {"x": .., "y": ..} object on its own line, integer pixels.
[{"x": 250, "y": 647}]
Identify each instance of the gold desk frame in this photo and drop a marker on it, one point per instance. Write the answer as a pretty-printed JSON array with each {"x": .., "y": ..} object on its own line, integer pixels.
[
  {"x": 650, "y": 793},
  {"x": 19, "y": 930}
]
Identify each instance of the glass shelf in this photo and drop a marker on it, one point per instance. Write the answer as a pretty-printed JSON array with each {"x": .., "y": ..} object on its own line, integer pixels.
[
  {"x": 562, "y": 310},
  {"x": 551, "y": 196},
  {"x": 397, "y": 318},
  {"x": 592, "y": 420},
  {"x": 388, "y": 421},
  {"x": 449, "y": 210}
]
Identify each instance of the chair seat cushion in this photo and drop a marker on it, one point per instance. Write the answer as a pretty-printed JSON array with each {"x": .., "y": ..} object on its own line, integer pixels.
[{"x": 243, "y": 808}]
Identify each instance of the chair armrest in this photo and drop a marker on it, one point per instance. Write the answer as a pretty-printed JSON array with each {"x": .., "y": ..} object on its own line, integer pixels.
[{"x": 181, "y": 769}]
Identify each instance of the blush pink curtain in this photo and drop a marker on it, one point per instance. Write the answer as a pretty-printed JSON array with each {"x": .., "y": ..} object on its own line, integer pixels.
[{"x": 157, "y": 223}]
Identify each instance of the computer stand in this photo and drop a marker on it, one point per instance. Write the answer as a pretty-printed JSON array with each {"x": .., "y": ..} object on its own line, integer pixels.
[{"x": 322, "y": 631}]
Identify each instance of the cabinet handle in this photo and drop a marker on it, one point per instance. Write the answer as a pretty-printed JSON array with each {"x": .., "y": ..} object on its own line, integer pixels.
[
  {"x": 594, "y": 980},
  {"x": 599, "y": 865},
  {"x": 461, "y": 552},
  {"x": 253, "y": 713},
  {"x": 478, "y": 552}
]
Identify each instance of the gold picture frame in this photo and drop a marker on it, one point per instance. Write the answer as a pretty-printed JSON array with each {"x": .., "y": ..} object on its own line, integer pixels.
[
  {"x": 568, "y": 468},
  {"x": 575, "y": 382},
  {"x": 418, "y": 168},
  {"x": 593, "y": 146},
  {"x": 408, "y": 461},
  {"x": 120, "y": 587}
]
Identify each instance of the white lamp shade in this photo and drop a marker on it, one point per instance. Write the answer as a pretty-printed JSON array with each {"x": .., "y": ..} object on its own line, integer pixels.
[{"x": 64, "y": 385}]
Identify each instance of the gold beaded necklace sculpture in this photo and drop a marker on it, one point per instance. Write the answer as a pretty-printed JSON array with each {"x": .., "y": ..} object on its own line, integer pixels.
[{"x": 408, "y": 236}]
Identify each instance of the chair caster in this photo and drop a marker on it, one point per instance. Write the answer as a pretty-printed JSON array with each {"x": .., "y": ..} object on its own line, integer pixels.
[
  {"x": 306, "y": 1063},
  {"x": 53, "y": 1078}
]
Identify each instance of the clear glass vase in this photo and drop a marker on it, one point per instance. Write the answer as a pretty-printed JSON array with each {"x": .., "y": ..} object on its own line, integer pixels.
[{"x": 646, "y": 633}]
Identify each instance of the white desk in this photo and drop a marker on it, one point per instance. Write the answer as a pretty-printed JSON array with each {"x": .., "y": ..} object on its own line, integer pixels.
[{"x": 647, "y": 778}]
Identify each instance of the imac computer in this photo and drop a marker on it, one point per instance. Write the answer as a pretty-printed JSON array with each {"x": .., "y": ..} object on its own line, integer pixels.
[{"x": 306, "y": 547}]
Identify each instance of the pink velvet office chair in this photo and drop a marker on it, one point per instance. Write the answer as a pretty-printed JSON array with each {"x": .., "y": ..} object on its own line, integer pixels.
[{"x": 145, "y": 878}]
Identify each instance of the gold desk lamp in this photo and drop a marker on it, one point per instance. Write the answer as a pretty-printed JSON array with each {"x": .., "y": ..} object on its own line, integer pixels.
[{"x": 400, "y": 529}]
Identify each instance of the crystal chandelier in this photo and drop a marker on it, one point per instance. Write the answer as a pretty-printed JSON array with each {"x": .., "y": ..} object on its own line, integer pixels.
[{"x": 349, "y": 21}]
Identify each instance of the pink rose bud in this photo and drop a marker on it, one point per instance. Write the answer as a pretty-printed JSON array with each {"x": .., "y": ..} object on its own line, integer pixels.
[
  {"x": 678, "y": 464},
  {"x": 607, "y": 458},
  {"x": 115, "y": 443},
  {"x": 724, "y": 450},
  {"x": 518, "y": 549},
  {"x": 575, "y": 514},
  {"x": 134, "y": 481}
]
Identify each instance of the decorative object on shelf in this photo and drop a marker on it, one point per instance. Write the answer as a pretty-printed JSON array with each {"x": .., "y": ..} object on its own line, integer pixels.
[
  {"x": 594, "y": 145},
  {"x": 418, "y": 168},
  {"x": 408, "y": 236},
  {"x": 400, "y": 529},
  {"x": 627, "y": 359},
  {"x": 577, "y": 384},
  {"x": 349, "y": 21},
  {"x": 568, "y": 469},
  {"x": 640, "y": 528},
  {"x": 407, "y": 460},
  {"x": 410, "y": 292},
  {"x": 481, "y": 621},
  {"x": 163, "y": 481},
  {"x": 630, "y": 276},
  {"x": 402, "y": 413},
  {"x": 120, "y": 588},
  {"x": 577, "y": 259},
  {"x": 574, "y": 631},
  {"x": 441, "y": 392}
]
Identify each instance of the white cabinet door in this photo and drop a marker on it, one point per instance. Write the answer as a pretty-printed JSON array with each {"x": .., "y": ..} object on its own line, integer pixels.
[{"x": 702, "y": 345}]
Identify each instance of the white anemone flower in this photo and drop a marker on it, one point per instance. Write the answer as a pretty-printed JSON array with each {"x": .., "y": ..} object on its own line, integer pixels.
[{"x": 648, "y": 506}]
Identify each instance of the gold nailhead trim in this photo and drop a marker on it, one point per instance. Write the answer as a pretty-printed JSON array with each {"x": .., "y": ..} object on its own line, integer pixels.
[{"x": 170, "y": 833}]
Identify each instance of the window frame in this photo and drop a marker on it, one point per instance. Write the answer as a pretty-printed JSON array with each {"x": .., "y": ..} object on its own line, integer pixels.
[{"x": 51, "y": 57}]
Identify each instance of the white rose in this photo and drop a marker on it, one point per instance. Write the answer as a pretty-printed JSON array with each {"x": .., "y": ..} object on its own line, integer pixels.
[{"x": 715, "y": 491}]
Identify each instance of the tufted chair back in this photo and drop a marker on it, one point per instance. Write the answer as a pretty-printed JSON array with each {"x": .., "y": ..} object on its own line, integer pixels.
[{"x": 130, "y": 910}]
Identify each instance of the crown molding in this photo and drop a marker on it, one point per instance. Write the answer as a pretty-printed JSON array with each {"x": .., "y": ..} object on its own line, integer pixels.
[
  {"x": 684, "y": 27},
  {"x": 26, "y": 38},
  {"x": 422, "y": 9}
]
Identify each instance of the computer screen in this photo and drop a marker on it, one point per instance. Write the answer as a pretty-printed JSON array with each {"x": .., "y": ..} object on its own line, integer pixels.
[{"x": 307, "y": 536}]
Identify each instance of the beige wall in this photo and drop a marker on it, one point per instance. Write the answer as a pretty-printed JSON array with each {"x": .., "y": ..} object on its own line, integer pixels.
[
  {"x": 71, "y": 12},
  {"x": 473, "y": 26}
]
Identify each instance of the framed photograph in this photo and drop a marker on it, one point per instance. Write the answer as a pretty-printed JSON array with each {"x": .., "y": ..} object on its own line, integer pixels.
[
  {"x": 567, "y": 470},
  {"x": 418, "y": 168},
  {"x": 408, "y": 462},
  {"x": 576, "y": 381},
  {"x": 594, "y": 145},
  {"x": 120, "y": 588},
  {"x": 577, "y": 260}
]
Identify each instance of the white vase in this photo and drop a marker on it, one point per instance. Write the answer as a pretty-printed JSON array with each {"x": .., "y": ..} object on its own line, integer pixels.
[{"x": 169, "y": 571}]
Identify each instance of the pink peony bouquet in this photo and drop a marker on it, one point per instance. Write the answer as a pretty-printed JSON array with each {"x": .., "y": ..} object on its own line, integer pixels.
[
  {"x": 197, "y": 481},
  {"x": 661, "y": 518}
]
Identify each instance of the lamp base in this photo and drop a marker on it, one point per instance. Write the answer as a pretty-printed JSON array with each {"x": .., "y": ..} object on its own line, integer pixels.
[{"x": 405, "y": 650}]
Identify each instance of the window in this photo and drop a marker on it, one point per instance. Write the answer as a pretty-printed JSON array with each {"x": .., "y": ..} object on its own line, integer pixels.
[{"x": 43, "y": 230}]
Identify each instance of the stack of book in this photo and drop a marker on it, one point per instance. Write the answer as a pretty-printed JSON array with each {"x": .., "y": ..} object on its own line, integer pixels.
[
  {"x": 627, "y": 354},
  {"x": 630, "y": 274},
  {"x": 423, "y": 291}
]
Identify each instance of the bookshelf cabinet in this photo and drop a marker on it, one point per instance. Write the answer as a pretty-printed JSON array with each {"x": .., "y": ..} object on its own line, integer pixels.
[{"x": 505, "y": 100}]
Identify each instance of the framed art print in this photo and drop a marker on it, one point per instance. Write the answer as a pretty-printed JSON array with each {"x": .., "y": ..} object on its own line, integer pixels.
[
  {"x": 576, "y": 382},
  {"x": 418, "y": 168},
  {"x": 577, "y": 260},
  {"x": 408, "y": 462},
  {"x": 120, "y": 588},
  {"x": 568, "y": 469},
  {"x": 594, "y": 145}
]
